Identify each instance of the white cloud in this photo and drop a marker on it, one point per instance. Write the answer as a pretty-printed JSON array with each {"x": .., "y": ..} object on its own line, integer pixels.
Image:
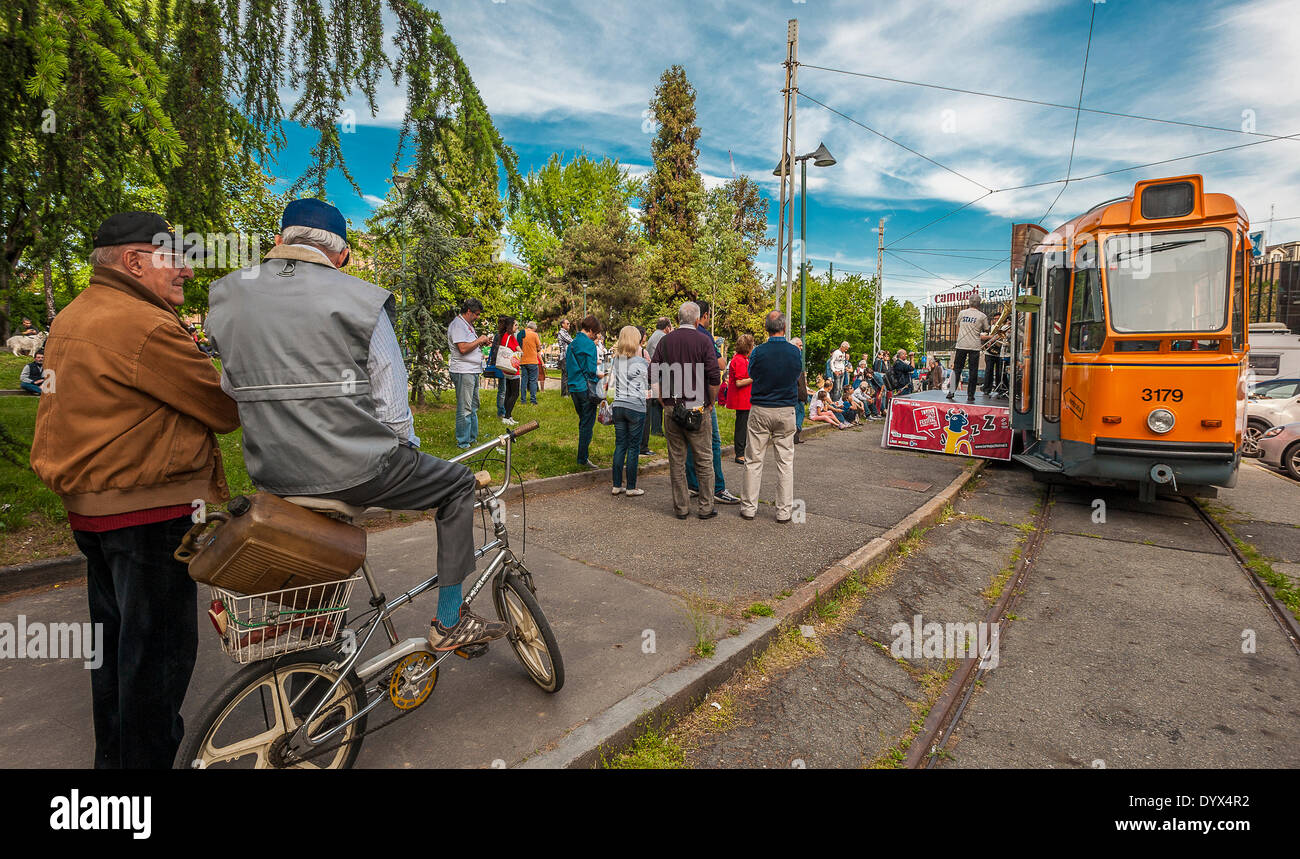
[{"x": 375, "y": 202}]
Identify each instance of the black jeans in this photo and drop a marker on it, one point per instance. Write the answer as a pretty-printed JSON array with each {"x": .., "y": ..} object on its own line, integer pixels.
[
  {"x": 512, "y": 395},
  {"x": 973, "y": 357},
  {"x": 147, "y": 604},
  {"x": 742, "y": 428},
  {"x": 992, "y": 374},
  {"x": 627, "y": 440},
  {"x": 586, "y": 422},
  {"x": 655, "y": 415}
]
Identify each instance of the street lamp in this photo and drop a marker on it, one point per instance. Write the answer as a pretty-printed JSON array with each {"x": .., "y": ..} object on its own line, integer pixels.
[{"x": 821, "y": 157}]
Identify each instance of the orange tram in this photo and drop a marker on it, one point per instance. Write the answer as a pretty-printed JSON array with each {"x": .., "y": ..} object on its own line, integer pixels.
[{"x": 1129, "y": 356}]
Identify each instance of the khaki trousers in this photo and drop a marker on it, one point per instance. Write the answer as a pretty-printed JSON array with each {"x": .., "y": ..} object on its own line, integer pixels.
[
  {"x": 772, "y": 427},
  {"x": 701, "y": 443}
]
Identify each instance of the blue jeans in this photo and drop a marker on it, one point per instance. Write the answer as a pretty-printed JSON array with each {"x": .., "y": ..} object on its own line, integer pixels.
[
  {"x": 147, "y": 604},
  {"x": 719, "y": 482},
  {"x": 800, "y": 408},
  {"x": 30, "y": 388},
  {"x": 627, "y": 444},
  {"x": 586, "y": 421},
  {"x": 466, "y": 408},
  {"x": 530, "y": 383}
]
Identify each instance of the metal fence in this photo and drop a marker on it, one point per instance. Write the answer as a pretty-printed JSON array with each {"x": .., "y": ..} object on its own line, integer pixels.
[
  {"x": 1275, "y": 293},
  {"x": 941, "y": 324}
]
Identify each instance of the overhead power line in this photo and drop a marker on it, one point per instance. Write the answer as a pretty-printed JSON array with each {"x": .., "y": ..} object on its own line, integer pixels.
[
  {"x": 1044, "y": 103},
  {"x": 896, "y": 143}
]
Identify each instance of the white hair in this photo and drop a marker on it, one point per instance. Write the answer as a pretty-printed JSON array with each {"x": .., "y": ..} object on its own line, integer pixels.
[
  {"x": 324, "y": 239},
  {"x": 109, "y": 256},
  {"x": 688, "y": 313}
]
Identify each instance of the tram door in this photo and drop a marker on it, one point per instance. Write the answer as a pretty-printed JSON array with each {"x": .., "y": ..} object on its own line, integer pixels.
[{"x": 1026, "y": 355}]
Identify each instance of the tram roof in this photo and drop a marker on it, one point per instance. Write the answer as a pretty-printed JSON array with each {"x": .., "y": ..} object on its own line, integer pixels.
[{"x": 1123, "y": 214}]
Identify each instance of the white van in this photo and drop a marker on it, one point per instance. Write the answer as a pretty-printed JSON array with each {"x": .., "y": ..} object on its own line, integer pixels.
[{"x": 1274, "y": 351}]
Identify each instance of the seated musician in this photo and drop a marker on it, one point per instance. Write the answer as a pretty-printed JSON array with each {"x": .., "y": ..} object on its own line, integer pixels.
[{"x": 311, "y": 356}]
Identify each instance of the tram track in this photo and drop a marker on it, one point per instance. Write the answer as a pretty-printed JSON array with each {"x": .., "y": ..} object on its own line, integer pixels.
[{"x": 945, "y": 716}]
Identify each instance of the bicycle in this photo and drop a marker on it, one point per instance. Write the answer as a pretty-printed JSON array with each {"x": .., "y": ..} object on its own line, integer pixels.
[{"x": 309, "y": 708}]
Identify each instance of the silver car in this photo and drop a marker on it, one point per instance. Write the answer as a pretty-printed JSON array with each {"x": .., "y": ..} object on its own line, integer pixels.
[
  {"x": 1280, "y": 448},
  {"x": 1273, "y": 402}
]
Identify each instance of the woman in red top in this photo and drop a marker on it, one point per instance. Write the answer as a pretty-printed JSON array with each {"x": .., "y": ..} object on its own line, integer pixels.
[
  {"x": 508, "y": 387},
  {"x": 738, "y": 383}
]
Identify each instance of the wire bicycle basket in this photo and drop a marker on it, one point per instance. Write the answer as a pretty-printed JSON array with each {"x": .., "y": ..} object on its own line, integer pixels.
[{"x": 259, "y": 626}]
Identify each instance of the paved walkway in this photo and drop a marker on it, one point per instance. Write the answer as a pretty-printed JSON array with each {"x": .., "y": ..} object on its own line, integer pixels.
[{"x": 608, "y": 570}]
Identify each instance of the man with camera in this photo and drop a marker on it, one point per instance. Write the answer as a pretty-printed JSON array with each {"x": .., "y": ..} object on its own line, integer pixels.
[{"x": 684, "y": 378}]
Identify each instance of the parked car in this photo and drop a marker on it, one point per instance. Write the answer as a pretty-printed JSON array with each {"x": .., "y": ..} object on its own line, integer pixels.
[
  {"x": 1273, "y": 402},
  {"x": 1280, "y": 448}
]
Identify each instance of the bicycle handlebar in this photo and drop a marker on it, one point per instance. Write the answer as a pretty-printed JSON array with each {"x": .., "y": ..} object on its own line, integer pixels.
[{"x": 524, "y": 430}]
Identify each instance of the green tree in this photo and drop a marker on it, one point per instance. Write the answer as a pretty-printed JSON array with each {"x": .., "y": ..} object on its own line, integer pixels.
[
  {"x": 901, "y": 326},
  {"x": 733, "y": 232},
  {"x": 837, "y": 311},
  {"x": 606, "y": 255},
  {"x": 559, "y": 196},
  {"x": 673, "y": 200},
  {"x": 171, "y": 104}
]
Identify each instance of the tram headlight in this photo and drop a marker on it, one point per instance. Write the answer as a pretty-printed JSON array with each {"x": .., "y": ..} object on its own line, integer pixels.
[{"x": 1160, "y": 420}]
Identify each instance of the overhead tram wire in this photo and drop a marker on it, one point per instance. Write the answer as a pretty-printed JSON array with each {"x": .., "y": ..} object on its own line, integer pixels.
[
  {"x": 926, "y": 270},
  {"x": 1074, "y": 138},
  {"x": 896, "y": 143},
  {"x": 1115, "y": 113},
  {"x": 1269, "y": 139}
]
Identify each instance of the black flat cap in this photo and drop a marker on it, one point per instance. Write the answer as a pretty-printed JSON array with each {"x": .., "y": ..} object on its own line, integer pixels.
[{"x": 126, "y": 228}]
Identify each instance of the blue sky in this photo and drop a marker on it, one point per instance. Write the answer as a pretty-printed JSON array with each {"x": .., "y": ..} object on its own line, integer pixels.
[{"x": 563, "y": 75}]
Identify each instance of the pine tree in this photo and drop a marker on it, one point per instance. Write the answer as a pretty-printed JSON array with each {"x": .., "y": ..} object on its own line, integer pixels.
[{"x": 674, "y": 195}]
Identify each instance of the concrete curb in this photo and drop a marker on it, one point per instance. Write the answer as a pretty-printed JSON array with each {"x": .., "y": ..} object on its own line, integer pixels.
[
  {"x": 36, "y": 574},
  {"x": 675, "y": 693}
]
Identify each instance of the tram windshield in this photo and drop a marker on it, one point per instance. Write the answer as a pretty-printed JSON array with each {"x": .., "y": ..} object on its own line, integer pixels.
[{"x": 1176, "y": 281}]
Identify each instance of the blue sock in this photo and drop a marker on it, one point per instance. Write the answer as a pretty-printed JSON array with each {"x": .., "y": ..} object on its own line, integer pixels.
[{"x": 449, "y": 599}]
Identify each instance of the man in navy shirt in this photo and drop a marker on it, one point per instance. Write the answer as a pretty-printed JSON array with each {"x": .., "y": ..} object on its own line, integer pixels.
[
  {"x": 720, "y": 493},
  {"x": 774, "y": 367}
]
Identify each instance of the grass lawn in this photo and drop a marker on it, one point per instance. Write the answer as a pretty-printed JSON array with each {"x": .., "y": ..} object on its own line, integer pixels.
[{"x": 33, "y": 524}]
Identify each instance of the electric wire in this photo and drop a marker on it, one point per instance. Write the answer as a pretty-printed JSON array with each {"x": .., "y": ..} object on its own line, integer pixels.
[{"x": 1115, "y": 113}]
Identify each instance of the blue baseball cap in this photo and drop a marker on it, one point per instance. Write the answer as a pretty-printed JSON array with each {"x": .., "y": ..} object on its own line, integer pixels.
[{"x": 310, "y": 212}]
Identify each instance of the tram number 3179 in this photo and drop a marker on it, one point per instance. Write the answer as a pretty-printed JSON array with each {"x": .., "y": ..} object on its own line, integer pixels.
[{"x": 1162, "y": 395}]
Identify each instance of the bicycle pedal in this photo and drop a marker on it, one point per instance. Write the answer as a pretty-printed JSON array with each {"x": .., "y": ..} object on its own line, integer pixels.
[{"x": 471, "y": 651}]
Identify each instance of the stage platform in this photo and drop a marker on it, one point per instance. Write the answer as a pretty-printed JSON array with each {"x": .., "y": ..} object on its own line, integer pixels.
[{"x": 930, "y": 421}]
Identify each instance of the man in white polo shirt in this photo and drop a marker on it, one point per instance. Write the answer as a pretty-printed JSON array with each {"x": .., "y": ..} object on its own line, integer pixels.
[{"x": 466, "y": 366}]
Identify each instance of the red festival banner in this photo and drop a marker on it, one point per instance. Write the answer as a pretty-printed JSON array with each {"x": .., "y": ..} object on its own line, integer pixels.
[{"x": 945, "y": 426}]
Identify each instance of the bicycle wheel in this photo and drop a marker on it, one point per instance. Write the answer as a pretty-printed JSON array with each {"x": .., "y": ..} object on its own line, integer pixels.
[
  {"x": 249, "y": 721},
  {"x": 530, "y": 635}
]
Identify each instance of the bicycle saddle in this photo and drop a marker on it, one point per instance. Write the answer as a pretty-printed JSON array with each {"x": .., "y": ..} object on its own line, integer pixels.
[{"x": 327, "y": 505}]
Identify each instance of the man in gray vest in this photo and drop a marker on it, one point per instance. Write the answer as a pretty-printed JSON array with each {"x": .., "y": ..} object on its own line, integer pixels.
[{"x": 310, "y": 355}]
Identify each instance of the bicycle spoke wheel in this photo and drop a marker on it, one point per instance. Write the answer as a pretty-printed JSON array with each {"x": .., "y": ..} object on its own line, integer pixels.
[
  {"x": 250, "y": 721},
  {"x": 530, "y": 635}
]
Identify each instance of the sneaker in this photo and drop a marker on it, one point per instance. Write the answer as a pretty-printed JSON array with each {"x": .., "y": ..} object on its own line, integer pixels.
[
  {"x": 589, "y": 464},
  {"x": 950, "y": 395},
  {"x": 708, "y": 515},
  {"x": 725, "y": 497},
  {"x": 470, "y": 629},
  {"x": 617, "y": 490},
  {"x": 693, "y": 492},
  {"x": 647, "y": 453},
  {"x": 632, "y": 493},
  {"x": 510, "y": 422}
]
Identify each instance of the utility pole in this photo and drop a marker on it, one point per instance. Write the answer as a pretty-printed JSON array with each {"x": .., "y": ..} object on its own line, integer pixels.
[
  {"x": 785, "y": 218},
  {"x": 880, "y": 288}
]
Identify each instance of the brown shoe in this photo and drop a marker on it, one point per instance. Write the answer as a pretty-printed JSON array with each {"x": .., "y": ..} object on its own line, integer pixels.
[{"x": 470, "y": 629}]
